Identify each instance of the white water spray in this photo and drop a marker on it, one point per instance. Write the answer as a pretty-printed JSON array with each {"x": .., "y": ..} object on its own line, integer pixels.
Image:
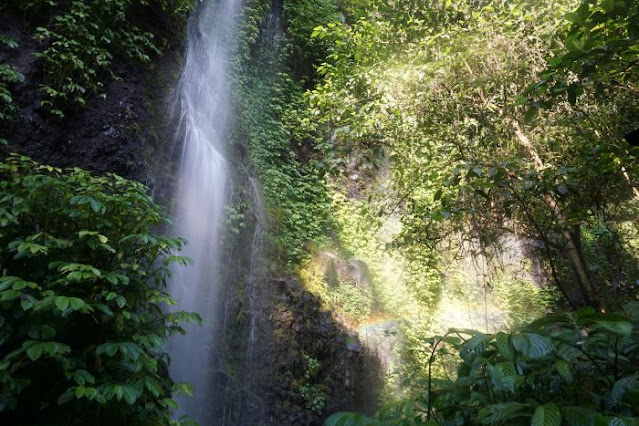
[{"x": 204, "y": 108}]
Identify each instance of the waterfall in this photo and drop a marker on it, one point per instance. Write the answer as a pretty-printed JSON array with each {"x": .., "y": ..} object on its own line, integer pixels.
[{"x": 204, "y": 106}]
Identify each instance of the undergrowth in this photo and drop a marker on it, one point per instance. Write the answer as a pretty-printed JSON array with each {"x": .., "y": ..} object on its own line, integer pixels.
[{"x": 84, "y": 41}]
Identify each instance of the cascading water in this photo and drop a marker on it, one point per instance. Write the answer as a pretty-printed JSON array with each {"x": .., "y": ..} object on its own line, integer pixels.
[{"x": 204, "y": 106}]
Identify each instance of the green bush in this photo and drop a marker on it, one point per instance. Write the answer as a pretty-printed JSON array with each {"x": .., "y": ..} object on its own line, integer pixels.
[
  {"x": 82, "y": 290},
  {"x": 313, "y": 393},
  {"x": 572, "y": 369}
]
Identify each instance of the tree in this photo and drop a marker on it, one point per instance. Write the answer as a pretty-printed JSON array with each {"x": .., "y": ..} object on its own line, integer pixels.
[
  {"x": 468, "y": 157},
  {"x": 598, "y": 55}
]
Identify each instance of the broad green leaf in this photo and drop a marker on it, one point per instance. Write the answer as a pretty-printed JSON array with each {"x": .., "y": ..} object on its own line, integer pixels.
[
  {"x": 90, "y": 392},
  {"x": 503, "y": 376},
  {"x": 578, "y": 416},
  {"x": 350, "y": 419},
  {"x": 620, "y": 421},
  {"x": 9, "y": 295},
  {"x": 26, "y": 303},
  {"x": 79, "y": 391},
  {"x": 130, "y": 393},
  {"x": 34, "y": 352},
  {"x": 619, "y": 389},
  {"x": 474, "y": 347},
  {"x": 118, "y": 392},
  {"x": 99, "y": 397},
  {"x": 564, "y": 370},
  {"x": 182, "y": 388},
  {"x": 170, "y": 403},
  {"x": 62, "y": 302},
  {"x": 623, "y": 328},
  {"x": 82, "y": 376},
  {"x": 76, "y": 303},
  {"x": 153, "y": 386},
  {"x": 502, "y": 341},
  {"x": 7, "y": 281},
  {"x": 546, "y": 415},
  {"x": 120, "y": 301},
  {"x": 532, "y": 345},
  {"x": 502, "y": 413},
  {"x": 66, "y": 396}
]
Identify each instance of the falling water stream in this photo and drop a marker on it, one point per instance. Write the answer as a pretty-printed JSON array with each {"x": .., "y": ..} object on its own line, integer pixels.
[{"x": 204, "y": 105}]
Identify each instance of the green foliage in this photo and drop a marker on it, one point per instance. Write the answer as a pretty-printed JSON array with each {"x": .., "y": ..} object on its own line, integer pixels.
[
  {"x": 522, "y": 300},
  {"x": 544, "y": 371},
  {"x": 350, "y": 419},
  {"x": 82, "y": 291},
  {"x": 608, "y": 249},
  {"x": 442, "y": 99},
  {"x": 8, "y": 77},
  {"x": 314, "y": 394},
  {"x": 302, "y": 17},
  {"x": 566, "y": 368},
  {"x": 85, "y": 39},
  {"x": 600, "y": 49},
  {"x": 79, "y": 57},
  {"x": 269, "y": 111},
  {"x": 353, "y": 300},
  {"x": 234, "y": 218},
  {"x": 351, "y": 274}
]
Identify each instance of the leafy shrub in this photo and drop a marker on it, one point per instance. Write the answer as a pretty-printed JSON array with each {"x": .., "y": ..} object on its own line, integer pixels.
[
  {"x": 353, "y": 300},
  {"x": 82, "y": 288},
  {"x": 8, "y": 76},
  {"x": 313, "y": 393},
  {"x": 84, "y": 38},
  {"x": 567, "y": 368}
]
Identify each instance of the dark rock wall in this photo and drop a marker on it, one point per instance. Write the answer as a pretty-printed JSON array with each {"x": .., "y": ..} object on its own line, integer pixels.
[
  {"x": 348, "y": 374},
  {"x": 264, "y": 385},
  {"x": 120, "y": 133}
]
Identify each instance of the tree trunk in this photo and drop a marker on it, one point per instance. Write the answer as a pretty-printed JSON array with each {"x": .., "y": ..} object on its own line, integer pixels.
[
  {"x": 572, "y": 246},
  {"x": 626, "y": 176}
]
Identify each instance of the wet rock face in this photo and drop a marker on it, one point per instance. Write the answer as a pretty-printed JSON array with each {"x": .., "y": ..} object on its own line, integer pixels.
[
  {"x": 108, "y": 135},
  {"x": 350, "y": 270},
  {"x": 344, "y": 376},
  {"x": 101, "y": 138},
  {"x": 281, "y": 359},
  {"x": 302, "y": 366}
]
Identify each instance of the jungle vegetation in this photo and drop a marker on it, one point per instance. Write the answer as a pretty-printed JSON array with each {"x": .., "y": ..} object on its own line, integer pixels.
[
  {"x": 413, "y": 135},
  {"x": 497, "y": 120}
]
